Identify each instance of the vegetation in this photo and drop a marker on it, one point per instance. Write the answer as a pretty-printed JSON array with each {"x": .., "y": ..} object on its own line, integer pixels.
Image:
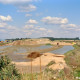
[
  {"x": 11, "y": 40},
  {"x": 48, "y": 44},
  {"x": 51, "y": 63},
  {"x": 1, "y": 44},
  {"x": 52, "y": 38},
  {"x": 73, "y": 61},
  {"x": 8, "y": 70}
]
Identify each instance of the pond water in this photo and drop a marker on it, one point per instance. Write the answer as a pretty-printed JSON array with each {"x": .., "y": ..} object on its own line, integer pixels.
[
  {"x": 19, "y": 53},
  {"x": 24, "y": 50},
  {"x": 20, "y": 50},
  {"x": 44, "y": 47},
  {"x": 62, "y": 50},
  {"x": 3, "y": 47}
]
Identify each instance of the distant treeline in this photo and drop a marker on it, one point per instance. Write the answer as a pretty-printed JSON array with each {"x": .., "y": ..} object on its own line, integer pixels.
[
  {"x": 52, "y": 38},
  {"x": 16, "y": 39}
]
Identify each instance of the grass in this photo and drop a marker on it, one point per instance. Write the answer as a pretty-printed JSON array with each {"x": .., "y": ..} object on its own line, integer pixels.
[
  {"x": 73, "y": 60},
  {"x": 29, "y": 76},
  {"x": 51, "y": 63},
  {"x": 1, "y": 44},
  {"x": 48, "y": 44}
]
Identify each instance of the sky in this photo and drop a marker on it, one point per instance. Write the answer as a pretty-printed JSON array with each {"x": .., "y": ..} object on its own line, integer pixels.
[{"x": 39, "y": 18}]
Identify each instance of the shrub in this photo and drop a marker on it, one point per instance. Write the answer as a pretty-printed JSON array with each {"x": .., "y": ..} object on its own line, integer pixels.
[{"x": 8, "y": 70}]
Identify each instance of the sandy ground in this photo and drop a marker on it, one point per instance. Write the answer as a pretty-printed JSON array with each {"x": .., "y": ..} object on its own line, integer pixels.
[
  {"x": 38, "y": 42},
  {"x": 25, "y": 67}
]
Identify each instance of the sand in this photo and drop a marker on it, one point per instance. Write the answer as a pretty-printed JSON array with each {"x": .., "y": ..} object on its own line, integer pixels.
[{"x": 46, "y": 58}]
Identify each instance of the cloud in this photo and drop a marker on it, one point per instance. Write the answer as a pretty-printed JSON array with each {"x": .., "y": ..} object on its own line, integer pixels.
[
  {"x": 2, "y": 25},
  {"x": 29, "y": 27},
  {"x": 54, "y": 20},
  {"x": 22, "y": 5},
  {"x": 31, "y": 21},
  {"x": 7, "y": 18},
  {"x": 27, "y": 8},
  {"x": 68, "y": 25},
  {"x": 2, "y": 31},
  {"x": 16, "y": 1},
  {"x": 28, "y": 15},
  {"x": 42, "y": 29}
]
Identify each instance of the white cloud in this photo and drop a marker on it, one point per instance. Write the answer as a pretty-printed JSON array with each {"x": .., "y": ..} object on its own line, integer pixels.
[
  {"x": 31, "y": 21},
  {"x": 2, "y": 24},
  {"x": 7, "y": 18},
  {"x": 27, "y": 8},
  {"x": 69, "y": 25},
  {"x": 22, "y": 5},
  {"x": 16, "y": 1},
  {"x": 42, "y": 29},
  {"x": 26, "y": 31},
  {"x": 36, "y": 30},
  {"x": 2, "y": 30},
  {"x": 54, "y": 20},
  {"x": 29, "y": 27},
  {"x": 28, "y": 15}
]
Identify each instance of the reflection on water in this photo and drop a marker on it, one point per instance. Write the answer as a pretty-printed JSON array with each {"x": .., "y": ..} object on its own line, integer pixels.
[{"x": 63, "y": 50}]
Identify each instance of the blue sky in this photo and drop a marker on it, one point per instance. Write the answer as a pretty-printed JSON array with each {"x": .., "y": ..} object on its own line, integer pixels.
[{"x": 39, "y": 18}]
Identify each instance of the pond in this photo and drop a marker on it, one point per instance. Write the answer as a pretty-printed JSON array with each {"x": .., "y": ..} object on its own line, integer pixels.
[
  {"x": 62, "y": 50},
  {"x": 19, "y": 53},
  {"x": 20, "y": 50},
  {"x": 3, "y": 47},
  {"x": 44, "y": 47},
  {"x": 26, "y": 49}
]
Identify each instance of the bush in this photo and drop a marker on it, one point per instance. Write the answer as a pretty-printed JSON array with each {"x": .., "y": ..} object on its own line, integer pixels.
[{"x": 8, "y": 70}]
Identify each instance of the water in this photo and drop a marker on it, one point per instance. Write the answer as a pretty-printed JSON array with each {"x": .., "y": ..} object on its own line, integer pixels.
[
  {"x": 19, "y": 53},
  {"x": 44, "y": 47},
  {"x": 20, "y": 50},
  {"x": 62, "y": 50},
  {"x": 40, "y": 47},
  {"x": 2, "y": 51},
  {"x": 3, "y": 47}
]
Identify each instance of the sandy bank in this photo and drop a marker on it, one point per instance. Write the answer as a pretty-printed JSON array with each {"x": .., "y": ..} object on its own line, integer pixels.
[{"x": 45, "y": 59}]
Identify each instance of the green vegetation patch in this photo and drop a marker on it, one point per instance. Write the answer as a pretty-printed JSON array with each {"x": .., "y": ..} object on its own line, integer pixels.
[
  {"x": 51, "y": 63},
  {"x": 73, "y": 60},
  {"x": 8, "y": 70}
]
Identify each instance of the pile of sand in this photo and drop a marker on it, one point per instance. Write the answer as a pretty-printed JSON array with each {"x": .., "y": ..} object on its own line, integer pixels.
[{"x": 46, "y": 58}]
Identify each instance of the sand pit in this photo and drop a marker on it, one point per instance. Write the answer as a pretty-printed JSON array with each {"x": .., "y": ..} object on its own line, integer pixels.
[{"x": 46, "y": 58}]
